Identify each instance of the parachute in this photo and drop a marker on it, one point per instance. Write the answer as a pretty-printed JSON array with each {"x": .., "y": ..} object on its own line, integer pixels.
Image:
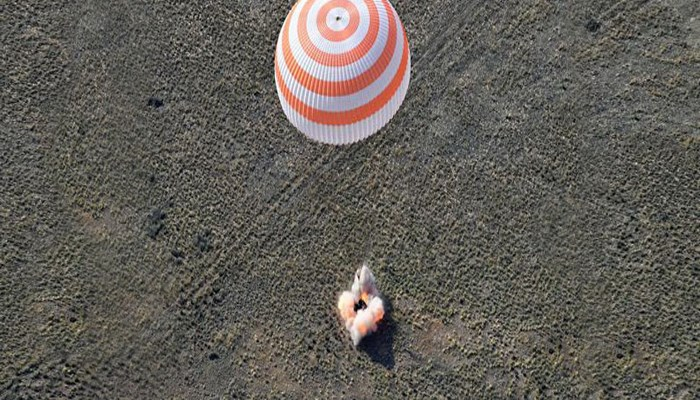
[{"x": 342, "y": 68}]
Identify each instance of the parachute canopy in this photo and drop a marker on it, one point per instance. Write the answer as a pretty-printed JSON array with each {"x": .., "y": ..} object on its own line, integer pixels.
[{"x": 342, "y": 68}]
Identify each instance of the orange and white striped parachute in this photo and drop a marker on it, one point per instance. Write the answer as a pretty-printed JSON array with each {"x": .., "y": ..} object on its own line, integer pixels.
[{"x": 342, "y": 68}]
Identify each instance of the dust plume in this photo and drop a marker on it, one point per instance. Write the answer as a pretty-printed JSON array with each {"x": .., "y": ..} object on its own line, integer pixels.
[{"x": 361, "y": 307}]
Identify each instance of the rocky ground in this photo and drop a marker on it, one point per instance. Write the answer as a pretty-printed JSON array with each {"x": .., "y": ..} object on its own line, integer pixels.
[{"x": 531, "y": 213}]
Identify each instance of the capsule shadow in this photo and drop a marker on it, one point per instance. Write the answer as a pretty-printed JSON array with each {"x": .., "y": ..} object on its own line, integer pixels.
[{"x": 380, "y": 345}]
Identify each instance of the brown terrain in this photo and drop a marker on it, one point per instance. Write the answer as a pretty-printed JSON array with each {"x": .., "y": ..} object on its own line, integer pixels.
[{"x": 531, "y": 213}]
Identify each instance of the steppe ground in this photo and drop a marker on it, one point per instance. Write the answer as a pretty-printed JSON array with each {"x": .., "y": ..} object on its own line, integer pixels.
[{"x": 531, "y": 213}]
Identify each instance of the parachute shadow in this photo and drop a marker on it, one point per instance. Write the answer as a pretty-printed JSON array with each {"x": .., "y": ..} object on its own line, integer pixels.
[{"x": 380, "y": 345}]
